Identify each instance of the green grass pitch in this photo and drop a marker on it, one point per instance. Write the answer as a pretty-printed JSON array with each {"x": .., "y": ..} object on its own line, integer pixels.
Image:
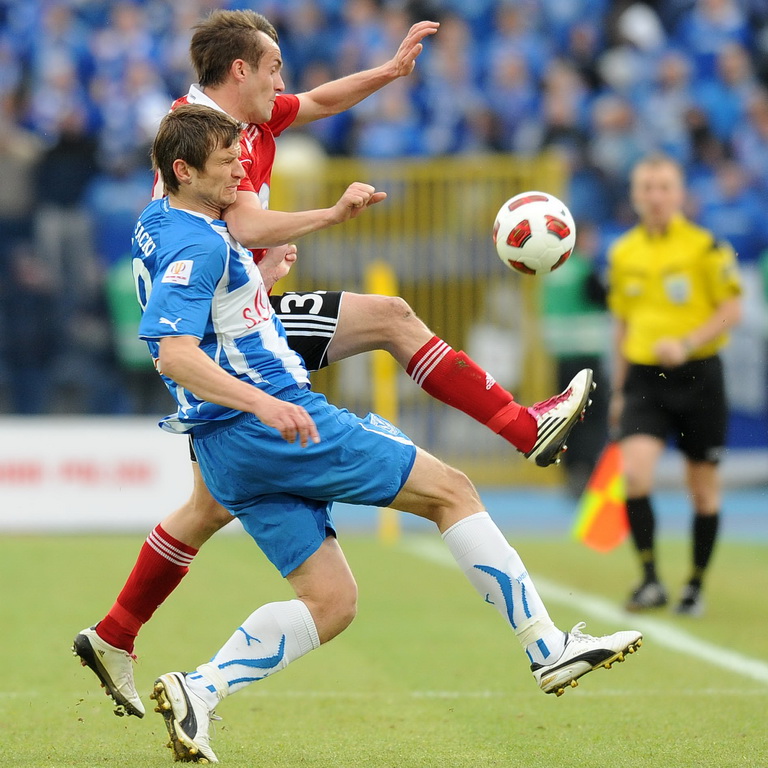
[{"x": 427, "y": 676}]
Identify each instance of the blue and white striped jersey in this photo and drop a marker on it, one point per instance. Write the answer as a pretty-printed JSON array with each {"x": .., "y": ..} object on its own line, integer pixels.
[{"x": 194, "y": 279}]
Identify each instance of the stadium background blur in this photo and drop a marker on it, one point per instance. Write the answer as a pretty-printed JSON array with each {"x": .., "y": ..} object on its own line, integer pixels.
[{"x": 510, "y": 95}]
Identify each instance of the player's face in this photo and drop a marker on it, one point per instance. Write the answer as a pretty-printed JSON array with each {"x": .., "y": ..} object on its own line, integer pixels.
[
  {"x": 215, "y": 187},
  {"x": 657, "y": 194},
  {"x": 263, "y": 83}
]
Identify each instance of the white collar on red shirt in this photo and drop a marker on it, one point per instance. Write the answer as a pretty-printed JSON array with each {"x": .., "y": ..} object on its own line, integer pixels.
[{"x": 197, "y": 96}]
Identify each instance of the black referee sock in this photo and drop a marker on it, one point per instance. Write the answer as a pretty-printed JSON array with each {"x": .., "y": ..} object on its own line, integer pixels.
[
  {"x": 642, "y": 525},
  {"x": 705, "y": 528}
]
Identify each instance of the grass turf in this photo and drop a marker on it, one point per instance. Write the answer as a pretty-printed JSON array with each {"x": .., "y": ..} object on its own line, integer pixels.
[{"x": 426, "y": 676}]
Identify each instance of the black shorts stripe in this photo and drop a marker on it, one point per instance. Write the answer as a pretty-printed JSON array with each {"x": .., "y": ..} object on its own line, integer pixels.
[
  {"x": 308, "y": 331},
  {"x": 310, "y": 319}
]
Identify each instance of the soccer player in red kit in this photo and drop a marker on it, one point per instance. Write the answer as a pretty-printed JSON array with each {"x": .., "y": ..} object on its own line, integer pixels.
[{"x": 238, "y": 63}]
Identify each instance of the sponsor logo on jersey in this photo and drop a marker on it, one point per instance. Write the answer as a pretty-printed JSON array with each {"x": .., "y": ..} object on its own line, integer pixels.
[
  {"x": 178, "y": 272},
  {"x": 172, "y": 323}
]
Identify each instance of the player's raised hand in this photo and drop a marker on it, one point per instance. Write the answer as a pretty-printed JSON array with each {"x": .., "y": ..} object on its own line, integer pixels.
[
  {"x": 290, "y": 420},
  {"x": 404, "y": 61},
  {"x": 357, "y": 197},
  {"x": 277, "y": 263}
]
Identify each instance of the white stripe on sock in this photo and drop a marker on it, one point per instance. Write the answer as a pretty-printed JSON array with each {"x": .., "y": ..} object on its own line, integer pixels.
[
  {"x": 429, "y": 362},
  {"x": 168, "y": 551}
]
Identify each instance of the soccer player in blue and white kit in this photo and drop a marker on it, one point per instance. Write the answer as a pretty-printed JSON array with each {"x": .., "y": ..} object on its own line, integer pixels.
[
  {"x": 277, "y": 455},
  {"x": 238, "y": 62}
]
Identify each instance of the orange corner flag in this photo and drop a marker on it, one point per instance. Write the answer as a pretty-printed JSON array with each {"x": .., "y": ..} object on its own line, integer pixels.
[{"x": 601, "y": 517}]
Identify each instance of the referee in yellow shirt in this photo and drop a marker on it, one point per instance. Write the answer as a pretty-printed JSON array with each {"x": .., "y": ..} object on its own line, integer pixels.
[{"x": 675, "y": 292}]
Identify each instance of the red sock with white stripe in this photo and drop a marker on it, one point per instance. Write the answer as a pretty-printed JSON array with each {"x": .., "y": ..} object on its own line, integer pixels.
[
  {"x": 162, "y": 563},
  {"x": 455, "y": 379}
]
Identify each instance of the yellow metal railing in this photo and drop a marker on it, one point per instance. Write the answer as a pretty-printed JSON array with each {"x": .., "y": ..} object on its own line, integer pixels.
[{"x": 434, "y": 233}]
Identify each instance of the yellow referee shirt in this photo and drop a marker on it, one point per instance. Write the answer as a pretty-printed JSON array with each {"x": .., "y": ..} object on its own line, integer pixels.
[{"x": 667, "y": 285}]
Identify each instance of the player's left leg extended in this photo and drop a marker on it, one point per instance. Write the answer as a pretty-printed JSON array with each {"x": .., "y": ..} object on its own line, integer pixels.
[{"x": 367, "y": 322}]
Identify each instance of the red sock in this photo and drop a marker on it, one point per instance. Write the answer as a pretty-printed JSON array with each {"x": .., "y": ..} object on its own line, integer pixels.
[
  {"x": 162, "y": 564},
  {"x": 455, "y": 379}
]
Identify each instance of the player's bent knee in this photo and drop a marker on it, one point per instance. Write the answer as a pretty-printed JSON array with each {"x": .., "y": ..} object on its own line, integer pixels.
[
  {"x": 460, "y": 489},
  {"x": 333, "y": 611},
  {"x": 345, "y": 612},
  {"x": 392, "y": 311},
  {"x": 211, "y": 512},
  {"x": 455, "y": 498},
  {"x": 217, "y": 518},
  {"x": 343, "y": 602},
  {"x": 200, "y": 518}
]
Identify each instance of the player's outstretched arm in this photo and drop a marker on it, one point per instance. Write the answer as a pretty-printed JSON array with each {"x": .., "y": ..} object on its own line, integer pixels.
[
  {"x": 182, "y": 360},
  {"x": 256, "y": 227},
  {"x": 339, "y": 95},
  {"x": 356, "y": 198}
]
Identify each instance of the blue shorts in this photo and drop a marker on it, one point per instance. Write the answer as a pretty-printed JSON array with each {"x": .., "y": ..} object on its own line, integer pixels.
[{"x": 283, "y": 493}]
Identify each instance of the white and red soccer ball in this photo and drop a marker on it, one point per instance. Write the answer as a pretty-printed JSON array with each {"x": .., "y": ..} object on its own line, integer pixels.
[{"x": 534, "y": 233}]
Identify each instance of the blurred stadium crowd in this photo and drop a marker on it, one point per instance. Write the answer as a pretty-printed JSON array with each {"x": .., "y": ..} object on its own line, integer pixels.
[{"x": 83, "y": 84}]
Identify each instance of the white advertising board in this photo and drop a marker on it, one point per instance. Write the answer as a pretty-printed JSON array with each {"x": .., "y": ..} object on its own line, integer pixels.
[{"x": 61, "y": 474}]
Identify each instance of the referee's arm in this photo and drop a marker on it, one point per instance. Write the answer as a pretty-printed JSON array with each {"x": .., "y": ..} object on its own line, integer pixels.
[{"x": 726, "y": 316}]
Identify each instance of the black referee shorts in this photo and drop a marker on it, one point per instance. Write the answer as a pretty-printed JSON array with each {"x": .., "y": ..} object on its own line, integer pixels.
[{"x": 686, "y": 403}]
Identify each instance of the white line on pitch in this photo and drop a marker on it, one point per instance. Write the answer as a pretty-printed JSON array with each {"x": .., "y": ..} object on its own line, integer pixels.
[
  {"x": 262, "y": 693},
  {"x": 661, "y": 632}
]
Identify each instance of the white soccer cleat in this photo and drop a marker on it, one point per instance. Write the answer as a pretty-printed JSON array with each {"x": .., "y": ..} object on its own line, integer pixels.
[
  {"x": 187, "y": 719},
  {"x": 114, "y": 668},
  {"x": 556, "y": 417},
  {"x": 584, "y": 653}
]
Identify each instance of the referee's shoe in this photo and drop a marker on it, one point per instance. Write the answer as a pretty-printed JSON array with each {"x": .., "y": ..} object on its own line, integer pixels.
[{"x": 556, "y": 417}]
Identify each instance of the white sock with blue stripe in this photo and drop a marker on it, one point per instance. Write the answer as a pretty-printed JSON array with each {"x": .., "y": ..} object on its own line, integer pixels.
[
  {"x": 267, "y": 641},
  {"x": 496, "y": 571}
]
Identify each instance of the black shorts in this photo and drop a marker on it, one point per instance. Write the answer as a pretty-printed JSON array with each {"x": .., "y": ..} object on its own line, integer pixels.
[
  {"x": 310, "y": 319},
  {"x": 686, "y": 403}
]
